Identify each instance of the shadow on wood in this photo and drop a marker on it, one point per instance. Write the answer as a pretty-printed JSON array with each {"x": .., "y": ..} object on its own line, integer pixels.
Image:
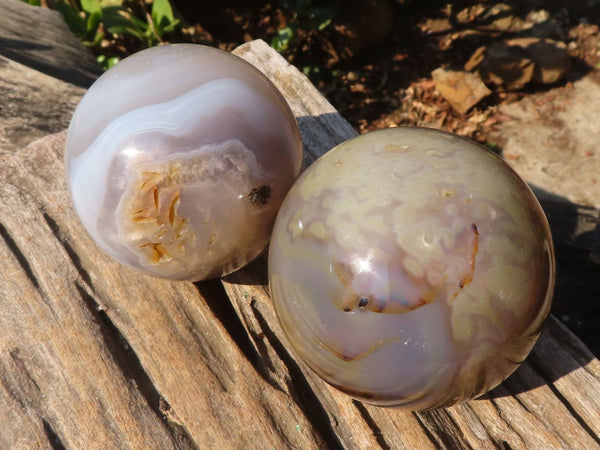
[{"x": 39, "y": 38}]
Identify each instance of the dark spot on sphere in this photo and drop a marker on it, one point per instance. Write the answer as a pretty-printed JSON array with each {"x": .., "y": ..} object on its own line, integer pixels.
[{"x": 260, "y": 195}]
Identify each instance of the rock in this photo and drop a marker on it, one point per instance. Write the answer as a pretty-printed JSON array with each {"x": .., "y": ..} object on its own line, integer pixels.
[
  {"x": 502, "y": 65},
  {"x": 515, "y": 62},
  {"x": 553, "y": 139},
  {"x": 551, "y": 58},
  {"x": 461, "y": 89},
  {"x": 502, "y": 17}
]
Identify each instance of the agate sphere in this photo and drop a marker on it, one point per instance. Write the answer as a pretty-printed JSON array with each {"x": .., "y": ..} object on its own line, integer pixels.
[
  {"x": 178, "y": 159},
  {"x": 411, "y": 267}
]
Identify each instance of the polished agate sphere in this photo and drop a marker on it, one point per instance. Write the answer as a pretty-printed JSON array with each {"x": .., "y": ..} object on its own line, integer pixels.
[
  {"x": 411, "y": 267},
  {"x": 178, "y": 159}
]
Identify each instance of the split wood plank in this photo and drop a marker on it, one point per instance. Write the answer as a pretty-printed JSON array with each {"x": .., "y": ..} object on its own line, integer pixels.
[{"x": 94, "y": 354}]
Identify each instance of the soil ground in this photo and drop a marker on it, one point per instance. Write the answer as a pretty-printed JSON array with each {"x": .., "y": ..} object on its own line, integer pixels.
[{"x": 385, "y": 80}]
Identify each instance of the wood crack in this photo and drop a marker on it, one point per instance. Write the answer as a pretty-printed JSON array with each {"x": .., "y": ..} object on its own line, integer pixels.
[
  {"x": 26, "y": 391},
  {"x": 73, "y": 256},
  {"x": 125, "y": 358},
  {"x": 372, "y": 425},
  {"x": 443, "y": 426},
  {"x": 219, "y": 303},
  {"x": 580, "y": 420},
  {"x": 214, "y": 294},
  {"x": 427, "y": 431},
  {"x": 132, "y": 369},
  {"x": 19, "y": 256},
  {"x": 53, "y": 438},
  {"x": 500, "y": 415},
  {"x": 300, "y": 388},
  {"x": 503, "y": 445}
]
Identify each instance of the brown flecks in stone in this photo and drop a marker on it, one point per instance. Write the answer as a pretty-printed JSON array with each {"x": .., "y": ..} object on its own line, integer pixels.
[
  {"x": 139, "y": 217},
  {"x": 396, "y": 148},
  {"x": 150, "y": 179},
  {"x": 152, "y": 218},
  {"x": 356, "y": 393},
  {"x": 260, "y": 195},
  {"x": 172, "y": 208},
  {"x": 421, "y": 302},
  {"x": 350, "y": 300},
  {"x": 157, "y": 252},
  {"x": 469, "y": 276},
  {"x": 155, "y": 194},
  {"x": 347, "y": 356}
]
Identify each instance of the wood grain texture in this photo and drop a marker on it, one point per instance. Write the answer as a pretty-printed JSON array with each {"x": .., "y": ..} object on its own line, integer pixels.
[
  {"x": 39, "y": 38},
  {"x": 32, "y": 105},
  {"x": 94, "y": 355}
]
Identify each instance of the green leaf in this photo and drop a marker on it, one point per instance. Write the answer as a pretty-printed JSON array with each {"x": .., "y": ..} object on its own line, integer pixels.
[
  {"x": 282, "y": 40},
  {"x": 162, "y": 16},
  {"x": 139, "y": 24},
  {"x": 323, "y": 25},
  {"x": 112, "y": 61},
  {"x": 311, "y": 70},
  {"x": 117, "y": 21},
  {"x": 492, "y": 146},
  {"x": 76, "y": 22},
  {"x": 107, "y": 63},
  {"x": 91, "y": 6},
  {"x": 316, "y": 18},
  {"x": 93, "y": 22}
]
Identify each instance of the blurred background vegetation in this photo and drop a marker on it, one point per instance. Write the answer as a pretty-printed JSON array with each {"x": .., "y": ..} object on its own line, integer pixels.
[
  {"x": 373, "y": 59},
  {"x": 114, "y": 29}
]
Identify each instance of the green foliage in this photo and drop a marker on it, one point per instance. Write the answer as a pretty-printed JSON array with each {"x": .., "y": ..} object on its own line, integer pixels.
[
  {"x": 96, "y": 20},
  {"x": 162, "y": 17},
  {"x": 107, "y": 63},
  {"x": 281, "y": 42},
  {"x": 306, "y": 16},
  {"x": 492, "y": 146}
]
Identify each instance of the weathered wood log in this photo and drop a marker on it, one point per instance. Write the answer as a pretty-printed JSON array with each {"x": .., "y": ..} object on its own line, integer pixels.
[
  {"x": 32, "y": 105},
  {"x": 39, "y": 38},
  {"x": 94, "y": 355},
  {"x": 35, "y": 103}
]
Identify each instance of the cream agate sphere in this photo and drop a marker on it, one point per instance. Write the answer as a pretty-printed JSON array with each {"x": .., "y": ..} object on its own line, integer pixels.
[
  {"x": 411, "y": 267},
  {"x": 178, "y": 159}
]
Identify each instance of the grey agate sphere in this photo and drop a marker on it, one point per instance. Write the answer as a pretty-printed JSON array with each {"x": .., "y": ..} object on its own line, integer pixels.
[
  {"x": 411, "y": 267},
  {"x": 178, "y": 159}
]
